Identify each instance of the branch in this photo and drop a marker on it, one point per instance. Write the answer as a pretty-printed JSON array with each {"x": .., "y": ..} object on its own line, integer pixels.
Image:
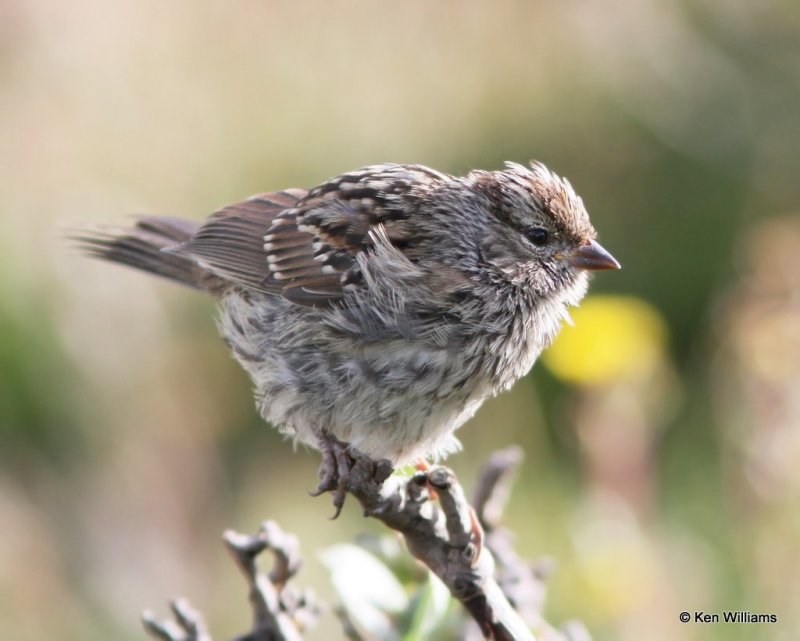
[
  {"x": 280, "y": 612},
  {"x": 189, "y": 624},
  {"x": 522, "y": 581},
  {"x": 504, "y": 596},
  {"x": 447, "y": 538}
]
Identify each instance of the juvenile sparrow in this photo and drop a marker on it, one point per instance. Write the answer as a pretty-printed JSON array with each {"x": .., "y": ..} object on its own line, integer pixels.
[{"x": 377, "y": 311}]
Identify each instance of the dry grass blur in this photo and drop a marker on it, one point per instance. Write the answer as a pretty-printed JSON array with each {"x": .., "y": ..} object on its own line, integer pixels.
[{"x": 127, "y": 435}]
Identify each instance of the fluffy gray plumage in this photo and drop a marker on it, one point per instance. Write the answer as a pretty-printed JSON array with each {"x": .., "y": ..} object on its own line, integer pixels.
[{"x": 384, "y": 306}]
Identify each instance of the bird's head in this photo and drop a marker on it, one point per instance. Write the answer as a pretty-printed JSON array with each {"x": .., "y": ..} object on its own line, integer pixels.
[{"x": 540, "y": 235}]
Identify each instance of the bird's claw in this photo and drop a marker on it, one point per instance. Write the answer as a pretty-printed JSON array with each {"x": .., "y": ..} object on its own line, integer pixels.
[
  {"x": 342, "y": 464},
  {"x": 334, "y": 470}
]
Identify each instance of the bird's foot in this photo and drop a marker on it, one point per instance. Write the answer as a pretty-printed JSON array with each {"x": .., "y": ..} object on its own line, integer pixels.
[
  {"x": 334, "y": 470},
  {"x": 339, "y": 461}
]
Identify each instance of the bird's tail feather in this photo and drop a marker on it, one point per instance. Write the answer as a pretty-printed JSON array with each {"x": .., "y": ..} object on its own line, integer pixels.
[{"x": 146, "y": 246}]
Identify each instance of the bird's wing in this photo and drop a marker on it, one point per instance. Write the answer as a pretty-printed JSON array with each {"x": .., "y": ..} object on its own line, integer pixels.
[
  {"x": 230, "y": 244},
  {"x": 305, "y": 245}
]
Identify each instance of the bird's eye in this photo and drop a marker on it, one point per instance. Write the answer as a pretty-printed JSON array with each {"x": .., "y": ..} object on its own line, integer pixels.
[{"x": 538, "y": 235}]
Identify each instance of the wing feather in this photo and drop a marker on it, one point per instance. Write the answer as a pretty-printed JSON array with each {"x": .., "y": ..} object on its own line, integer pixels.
[
  {"x": 305, "y": 245},
  {"x": 230, "y": 243}
]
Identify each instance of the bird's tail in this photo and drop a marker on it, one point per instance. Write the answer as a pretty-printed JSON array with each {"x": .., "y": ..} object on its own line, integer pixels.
[{"x": 146, "y": 246}]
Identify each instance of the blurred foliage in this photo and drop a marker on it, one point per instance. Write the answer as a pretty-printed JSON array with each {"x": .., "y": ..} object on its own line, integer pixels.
[
  {"x": 394, "y": 597},
  {"x": 32, "y": 360},
  {"x": 127, "y": 434}
]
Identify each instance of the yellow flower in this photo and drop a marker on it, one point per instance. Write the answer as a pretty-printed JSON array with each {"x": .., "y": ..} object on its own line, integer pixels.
[{"x": 612, "y": 337}]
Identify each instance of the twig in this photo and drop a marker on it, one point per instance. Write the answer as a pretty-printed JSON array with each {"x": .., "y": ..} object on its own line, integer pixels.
[
  {"x": 522, "y": 581},
  {"x": 440, "y": 529},
  {"x": 280, "y": 612},
  {"x": 188, "y": 625},
  {"x": 493, "y": 487},
  {"x": 446, "y": 538}
]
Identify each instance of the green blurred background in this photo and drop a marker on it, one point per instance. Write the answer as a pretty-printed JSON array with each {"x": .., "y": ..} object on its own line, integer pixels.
[{"x": 664, "y": 478}]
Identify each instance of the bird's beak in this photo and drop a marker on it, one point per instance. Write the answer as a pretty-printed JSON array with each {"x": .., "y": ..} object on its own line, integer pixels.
[{"x": 592, "y": 256}]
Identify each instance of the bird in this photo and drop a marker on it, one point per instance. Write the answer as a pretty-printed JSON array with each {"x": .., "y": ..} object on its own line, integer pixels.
[{"x": 377, "y": 311}]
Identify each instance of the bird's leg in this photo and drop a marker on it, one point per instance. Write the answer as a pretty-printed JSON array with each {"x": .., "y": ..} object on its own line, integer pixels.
[
  {"x": 344, "y": 464},
  {"x": 339, "y": 460},
  {"x": 327, "y": 468},
  {"x": 334, "y": 470},
  {"x": 334, "y": 454}
]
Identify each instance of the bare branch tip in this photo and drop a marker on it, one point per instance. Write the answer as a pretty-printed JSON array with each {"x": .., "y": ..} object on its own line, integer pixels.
[{"x": 442, "y": 478}]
